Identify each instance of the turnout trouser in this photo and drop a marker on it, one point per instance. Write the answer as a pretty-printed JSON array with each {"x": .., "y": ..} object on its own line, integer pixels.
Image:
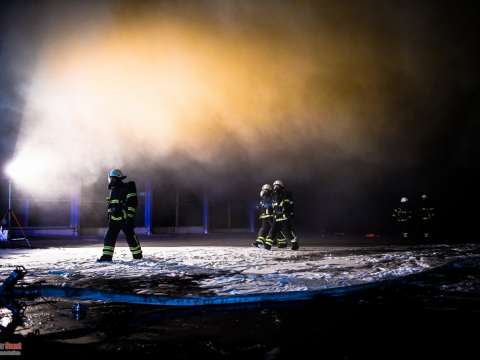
[
  {"x": 266, "y": 225},
  {"x": 114, "y": 227},
  {"x": 426, "y": 228},
  {"x": 404, "y": 227},
  {"x": 282, "y": 231}
]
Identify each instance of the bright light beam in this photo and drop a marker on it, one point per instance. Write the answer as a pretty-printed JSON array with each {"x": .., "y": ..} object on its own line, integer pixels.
[{"x": 30, "y": 170}]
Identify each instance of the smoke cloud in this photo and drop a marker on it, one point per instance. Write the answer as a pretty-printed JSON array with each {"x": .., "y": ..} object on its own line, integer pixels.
[{"x": 228, "y": 89}]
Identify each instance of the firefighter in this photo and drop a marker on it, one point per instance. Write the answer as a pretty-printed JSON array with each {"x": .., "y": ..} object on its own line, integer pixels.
[
  {"x": 121, "y": 209},
  {"x": 403, "y": 216},
  {"x": 266, "y": 214},
  {"x": 282, "y": 230},
  {"x": 426, "y": 213}
]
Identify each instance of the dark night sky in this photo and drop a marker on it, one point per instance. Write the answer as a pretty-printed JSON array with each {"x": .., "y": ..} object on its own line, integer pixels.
[{"x": 425, "y": 56}]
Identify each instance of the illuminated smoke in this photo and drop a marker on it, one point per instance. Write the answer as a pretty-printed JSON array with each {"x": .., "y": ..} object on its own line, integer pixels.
[{"x": 163, "y": 87}]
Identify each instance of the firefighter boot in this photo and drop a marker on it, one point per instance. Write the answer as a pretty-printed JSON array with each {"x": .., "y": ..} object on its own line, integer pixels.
[
  {"x": 268, "y": 243},
  {"x": 136, "y": 251},
  {"x": 105, "y": 258},
  {"x": 282, "y": 243},
  {"x": 295, "y": 245},
  {"x": 259, "y": 242}
]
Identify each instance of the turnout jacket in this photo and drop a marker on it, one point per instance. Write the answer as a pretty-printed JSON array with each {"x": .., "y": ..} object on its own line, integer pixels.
[
  {"x": 402, "y": 214},
  {"x": 122, "y": 202},
  {"x": 283, "y": 205},
  {"x": 426, "y": 212},
  {"x": 266, "y": 207}
]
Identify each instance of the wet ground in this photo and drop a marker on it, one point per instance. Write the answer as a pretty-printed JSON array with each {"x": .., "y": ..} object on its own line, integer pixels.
[{"x": 430, "y": 308}]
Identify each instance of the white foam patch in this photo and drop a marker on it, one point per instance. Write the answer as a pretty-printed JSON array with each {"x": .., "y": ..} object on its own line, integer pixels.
[{"x": 230, "y": 270}]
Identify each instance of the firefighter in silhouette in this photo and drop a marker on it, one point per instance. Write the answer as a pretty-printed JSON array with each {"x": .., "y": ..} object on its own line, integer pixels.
[
  {"x": 425, "y": 214},
  {"x": 403, "y": 216},
  {"x": 121, "y": 209},
  {"x": 283, "y": 229},
  {"x": 266, "y": 214}
]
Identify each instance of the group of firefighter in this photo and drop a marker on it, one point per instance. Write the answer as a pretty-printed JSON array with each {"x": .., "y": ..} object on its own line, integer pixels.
[
  {"x": 418, "y": 219},
  {"x": 276, "y": 218}
]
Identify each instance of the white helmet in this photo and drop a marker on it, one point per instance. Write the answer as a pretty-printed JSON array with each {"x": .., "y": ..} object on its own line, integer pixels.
[
  {"x": 424, "y": 197},
  {"x": 265, "y": 188},
  {"x": 404, "y": 199},
  {"x": 278, "y": 183},
  {"x": 116, "y": 173}
]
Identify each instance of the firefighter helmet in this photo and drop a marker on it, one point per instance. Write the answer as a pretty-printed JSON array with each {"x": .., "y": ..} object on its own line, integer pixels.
[
  {"x": 404, "y": 199},
  {"x": 116, "y": 173},
  {"x": 278, "y": 183},
  {"x": 265, "y": 188}
]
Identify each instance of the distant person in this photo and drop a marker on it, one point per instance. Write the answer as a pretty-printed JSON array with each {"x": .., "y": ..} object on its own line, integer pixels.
[
  {"x": 121, "y": 209},
  {"x": 403, "y": 217},
  {"x": 426, "y": 214},
  {"x": 266, "y": 215},
  {"x": 283, "y": 210}
]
